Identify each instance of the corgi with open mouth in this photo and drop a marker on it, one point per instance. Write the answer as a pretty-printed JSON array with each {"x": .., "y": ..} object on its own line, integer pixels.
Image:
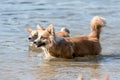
[{"x": 70, "y": 47}]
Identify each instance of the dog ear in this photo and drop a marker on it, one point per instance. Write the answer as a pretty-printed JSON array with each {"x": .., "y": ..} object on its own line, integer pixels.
[
  {"x": 39, "y": 27},
  {"x": 29, "y": 30},
  {"x": 50, "y": 29}
]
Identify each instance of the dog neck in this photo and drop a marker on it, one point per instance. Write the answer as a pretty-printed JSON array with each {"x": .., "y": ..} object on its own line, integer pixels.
[{"x": 58, "y": 39}]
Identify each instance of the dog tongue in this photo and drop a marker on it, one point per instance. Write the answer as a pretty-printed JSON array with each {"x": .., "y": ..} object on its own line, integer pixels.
[{"x": 36, "y": 46}]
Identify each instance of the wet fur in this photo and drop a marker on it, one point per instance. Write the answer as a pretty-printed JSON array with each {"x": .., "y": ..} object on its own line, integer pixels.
[{"x": 70, "y": 47}]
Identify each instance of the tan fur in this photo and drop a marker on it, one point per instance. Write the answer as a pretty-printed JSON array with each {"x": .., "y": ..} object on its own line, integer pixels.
[
  {"x": 64, "y": 32},
  {"x": 33, "y": 34},
  {"x": 105, "y": 78},
  {"x": 69, "y": 47},
  {"x": 96, "y": 24},
  {"x": 39, "y": 27}
]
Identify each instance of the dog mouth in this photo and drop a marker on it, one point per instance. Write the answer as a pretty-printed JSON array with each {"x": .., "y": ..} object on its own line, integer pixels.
[{"x": 39, "y": 44}]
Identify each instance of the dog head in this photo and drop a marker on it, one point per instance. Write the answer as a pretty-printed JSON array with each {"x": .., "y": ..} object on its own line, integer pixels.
[
  {"x": 33, "y": 34},
  {"x": 46, "y": 37}
]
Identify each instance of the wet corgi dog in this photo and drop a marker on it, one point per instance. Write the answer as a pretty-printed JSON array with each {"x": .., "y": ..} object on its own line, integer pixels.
[
  {"x": 33, "y": 34},
  {"x": 70, "y": 47}
]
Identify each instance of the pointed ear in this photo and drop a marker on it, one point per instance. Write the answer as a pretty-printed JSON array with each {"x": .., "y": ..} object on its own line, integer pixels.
[
  {"x": 29, "y": 30},
  {"x": 50, "y": 29},
  {"x": 39, "y": 27}
]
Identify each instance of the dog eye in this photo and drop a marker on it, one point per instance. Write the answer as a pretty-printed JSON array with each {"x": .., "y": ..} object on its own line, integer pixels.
[
  {"x": 35, "y": 35},
  {"x": 42, "y": 37}
]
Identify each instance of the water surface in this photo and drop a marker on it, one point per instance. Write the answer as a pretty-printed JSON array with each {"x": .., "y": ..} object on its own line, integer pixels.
[{"x": 18, "y": 62}]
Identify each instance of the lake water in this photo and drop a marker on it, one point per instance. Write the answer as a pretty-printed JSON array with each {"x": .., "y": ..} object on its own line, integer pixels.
[{"x": 18, "y": 62}]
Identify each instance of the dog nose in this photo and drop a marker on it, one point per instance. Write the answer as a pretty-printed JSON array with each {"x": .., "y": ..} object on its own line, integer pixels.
[
  {"x": 29, "y": 38},
  {"x": 35, "y": 42}
]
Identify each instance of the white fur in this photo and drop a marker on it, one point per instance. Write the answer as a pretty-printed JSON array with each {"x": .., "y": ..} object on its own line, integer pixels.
[
  {"x": 63, "y": 29},
  {"x": 47, "y": 54},
  {"x": 31, "y": 43}
]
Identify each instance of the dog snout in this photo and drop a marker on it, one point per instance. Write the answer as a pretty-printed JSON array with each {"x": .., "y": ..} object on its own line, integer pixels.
[{"x": 35, "y": 42}]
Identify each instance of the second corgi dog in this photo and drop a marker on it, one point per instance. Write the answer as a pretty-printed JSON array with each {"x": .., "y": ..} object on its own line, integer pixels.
[{"x": 70, "y": 47}]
